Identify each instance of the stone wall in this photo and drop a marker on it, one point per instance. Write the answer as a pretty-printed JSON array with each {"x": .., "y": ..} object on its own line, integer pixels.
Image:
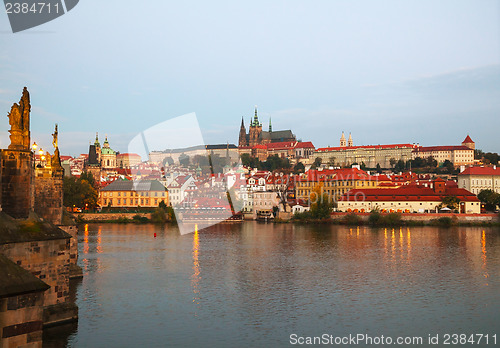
[
  {"x": 48, "y": 260},
  {"x": 16, "y": 192},
  {"x": 109, "y": 216},
  {"x": 464, "y": 218},
  {"x": 49, "y": 194},
  {"x": 75, "y": 271},
  {"x": 21, "y": 320}
]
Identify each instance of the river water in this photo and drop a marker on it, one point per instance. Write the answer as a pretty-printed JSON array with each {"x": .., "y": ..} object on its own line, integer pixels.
[{"x": 254, "y": 285}]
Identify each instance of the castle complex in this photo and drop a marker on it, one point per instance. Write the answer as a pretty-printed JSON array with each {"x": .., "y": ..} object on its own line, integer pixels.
[{"x": 256, "y": 136}]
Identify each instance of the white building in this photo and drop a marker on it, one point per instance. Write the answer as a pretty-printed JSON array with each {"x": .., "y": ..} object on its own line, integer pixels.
[{"x": 477, "y": 179}]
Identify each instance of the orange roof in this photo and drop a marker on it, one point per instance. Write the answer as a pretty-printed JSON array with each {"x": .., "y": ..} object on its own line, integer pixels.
[
  {"x": 281, "y": 145},
  {"x": 409, "y": 193},
  {"x": 481, "y": 171},
  {"x": 467, "y": 140},
  {"x": 440, "y": 148},
  {"x": 305, "y": 145},
  {"x": 375, "y": 147}
]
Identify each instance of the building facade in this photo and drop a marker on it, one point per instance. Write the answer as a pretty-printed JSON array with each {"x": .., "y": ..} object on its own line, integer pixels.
[
  {"x": 371, "y": 155},
  {"x": 477, "y": 179},
  {"x": 461, "y": 155},
  {"x": 131, "y": 194},
  {"x": 411, "y": 198}
]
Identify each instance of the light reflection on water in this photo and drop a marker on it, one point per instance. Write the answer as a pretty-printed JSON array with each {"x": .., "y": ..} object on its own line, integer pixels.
[{"x": 254, "y": 284}]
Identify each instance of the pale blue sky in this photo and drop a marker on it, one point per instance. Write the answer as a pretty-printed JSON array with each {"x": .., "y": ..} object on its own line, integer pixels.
[{"x": 387, "y": 71}]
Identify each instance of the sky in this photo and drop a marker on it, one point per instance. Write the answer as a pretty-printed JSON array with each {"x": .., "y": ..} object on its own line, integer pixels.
[{"x": 388, "y": 72}]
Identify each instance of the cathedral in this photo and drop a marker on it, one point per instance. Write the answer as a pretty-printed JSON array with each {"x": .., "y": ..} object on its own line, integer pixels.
[{"x": 256, "y": 136}]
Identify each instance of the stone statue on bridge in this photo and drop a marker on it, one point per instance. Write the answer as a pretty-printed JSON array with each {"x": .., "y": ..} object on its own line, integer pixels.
[{"x": 19, "y": 120}]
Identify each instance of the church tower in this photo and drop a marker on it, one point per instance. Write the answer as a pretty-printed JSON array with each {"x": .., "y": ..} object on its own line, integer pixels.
[
  {"x": 342, "y": 140},
  {"x": 243, "y": 135},
  {"x": 349, "y": 142},
  {"x": 255, "y": 130},
  {"x": 270, "y": 126}
]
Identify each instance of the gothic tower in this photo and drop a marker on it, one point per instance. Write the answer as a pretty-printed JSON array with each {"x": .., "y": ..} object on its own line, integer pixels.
[
  {"x": 350, "y": 142},
  {"x": 255, "y": 130},
  {"x": 243, "y": 135}
]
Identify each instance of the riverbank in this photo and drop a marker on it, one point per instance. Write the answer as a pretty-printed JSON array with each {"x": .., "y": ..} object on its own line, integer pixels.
[
  {"x": 356, "y": 219},
  {"x": 402, "y": 219}
]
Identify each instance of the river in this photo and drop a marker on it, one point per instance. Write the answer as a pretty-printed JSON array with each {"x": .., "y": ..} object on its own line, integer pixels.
[{"x": 254, "y": 285}]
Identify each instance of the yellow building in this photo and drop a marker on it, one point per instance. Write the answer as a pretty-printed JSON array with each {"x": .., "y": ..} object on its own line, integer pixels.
[
  {"x": 130, "y": 194},
  {"x": 335, "y": 182}
]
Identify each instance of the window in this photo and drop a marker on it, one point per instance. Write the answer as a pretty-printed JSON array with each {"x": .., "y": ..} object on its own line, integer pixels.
[
  {"x": 119, "y": 201},
  {"x": 147, "y": 201},
  {"x": 131, "y": 201},
  {"x": 142, "y": 201},
  {"x": 119, "y": 194}
]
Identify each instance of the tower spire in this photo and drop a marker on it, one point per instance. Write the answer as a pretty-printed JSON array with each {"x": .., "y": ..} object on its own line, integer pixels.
[
  {"x": 256, "y": 118},
  {"x": 270, "y": 126}
]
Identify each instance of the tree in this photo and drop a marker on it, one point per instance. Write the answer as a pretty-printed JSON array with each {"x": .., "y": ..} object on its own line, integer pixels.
[
  {"x": 449, "y": 166},
  {"x": 400, "y": 166},
  {"x": 79, "y": 193},
  {"x": 87, "y": 176},
  {"x": 321, "y": 207},
  {"x": 379, "y": 169},
  {"x": 490, "y": 199},
  {"x": 392, "y": 162},
  {"x": 331, "y": 161},
  {"x": 431, "y": 162},
  {"x": 451, "y": 202},
  {"x": 184, "y": 160},
  {"x": 299, "y": 168},
  {"x": 316, "y": 163}
]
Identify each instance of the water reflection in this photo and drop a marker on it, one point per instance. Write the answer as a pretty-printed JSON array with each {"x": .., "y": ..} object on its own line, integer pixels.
[
  {"x": 195, "y": 279},
  {"x": 262, "y": 282}
]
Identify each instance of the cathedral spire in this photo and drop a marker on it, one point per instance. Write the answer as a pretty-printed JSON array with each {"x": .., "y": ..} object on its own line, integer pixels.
[
  {"x": 256, "y": 118},
  {"x": 270, "y": 126}
]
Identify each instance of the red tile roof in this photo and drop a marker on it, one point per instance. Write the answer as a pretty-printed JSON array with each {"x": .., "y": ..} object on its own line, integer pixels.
[
  {"x": 285, "y": 145},
  {"x": 305, "y": 145},
  {"x": 375, "y": 147},
  {"x": 481, "y": 171},
  {"x": 440, "y": 148},
  {"x": 467, "y": 140},
  {"x": 408, "y": 193}
]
